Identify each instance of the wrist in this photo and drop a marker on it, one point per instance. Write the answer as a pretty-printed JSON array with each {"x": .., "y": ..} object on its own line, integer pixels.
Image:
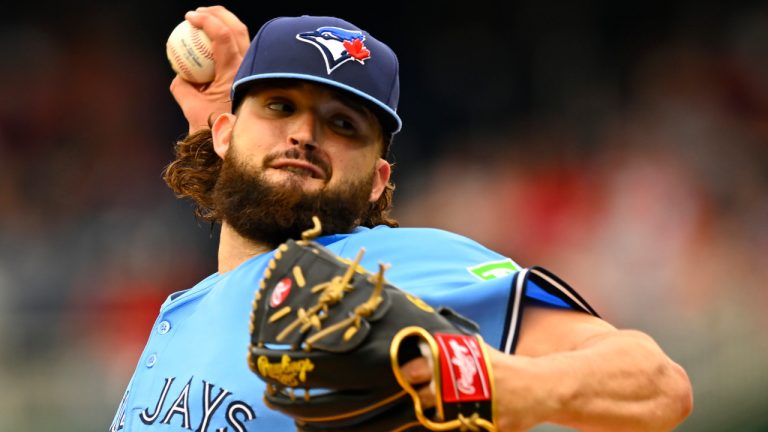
[
  {"x": 525, "y": 395},
  {"x": 204, "y": 119}
]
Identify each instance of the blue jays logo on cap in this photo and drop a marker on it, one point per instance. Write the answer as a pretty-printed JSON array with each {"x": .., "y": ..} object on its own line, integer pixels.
[
  {"x": 337, "y": 45},
  {"x": 281, "y": 50}
]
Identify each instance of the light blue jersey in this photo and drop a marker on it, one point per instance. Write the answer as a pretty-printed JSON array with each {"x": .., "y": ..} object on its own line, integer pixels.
[{"x": 193, "y": 373}]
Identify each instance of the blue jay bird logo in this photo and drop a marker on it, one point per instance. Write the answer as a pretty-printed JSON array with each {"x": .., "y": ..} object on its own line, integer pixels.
[{"x": 337, "y": 45}]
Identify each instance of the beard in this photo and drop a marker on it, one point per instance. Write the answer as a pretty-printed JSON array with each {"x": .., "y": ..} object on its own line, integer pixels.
[{"x": 273, "y": 213}]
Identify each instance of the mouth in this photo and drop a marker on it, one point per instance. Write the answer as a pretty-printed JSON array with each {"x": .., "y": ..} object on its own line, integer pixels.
[{"x": 299, "y": 167}]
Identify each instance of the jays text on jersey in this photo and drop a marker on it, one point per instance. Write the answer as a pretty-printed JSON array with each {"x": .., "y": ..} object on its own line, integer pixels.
[{"x": 193, "y": 373}]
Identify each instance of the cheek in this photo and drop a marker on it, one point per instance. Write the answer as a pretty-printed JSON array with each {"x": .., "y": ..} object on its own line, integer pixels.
[
  {"x": 251, "y": 148},
  {"x": 353, "y": 169}
]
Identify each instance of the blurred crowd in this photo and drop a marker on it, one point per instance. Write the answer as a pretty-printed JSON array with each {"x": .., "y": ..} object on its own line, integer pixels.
[{"x": 648, "y": 192}]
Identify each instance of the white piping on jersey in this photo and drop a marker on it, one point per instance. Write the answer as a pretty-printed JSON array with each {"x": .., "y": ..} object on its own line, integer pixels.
[
  {"x": 515, "y": 320},
  {"x": 562, "y": 289}
]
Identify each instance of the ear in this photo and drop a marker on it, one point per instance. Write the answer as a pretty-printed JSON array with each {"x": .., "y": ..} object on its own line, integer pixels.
[
  {"x": 380, "y": 179},
  {"x": 222, "y": 133}
]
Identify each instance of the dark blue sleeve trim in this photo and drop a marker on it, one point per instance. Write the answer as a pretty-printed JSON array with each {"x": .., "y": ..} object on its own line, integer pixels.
[{"x": 520, "y": 293}]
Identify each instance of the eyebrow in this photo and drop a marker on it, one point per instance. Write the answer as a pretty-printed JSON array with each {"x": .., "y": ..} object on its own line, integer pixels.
[
  {"x": 353, "y": 104},
  {"x": 348, "y": 100}
]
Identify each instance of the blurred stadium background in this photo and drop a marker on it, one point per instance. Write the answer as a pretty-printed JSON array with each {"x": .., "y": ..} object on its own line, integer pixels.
[{"x": 623, "y": 145}]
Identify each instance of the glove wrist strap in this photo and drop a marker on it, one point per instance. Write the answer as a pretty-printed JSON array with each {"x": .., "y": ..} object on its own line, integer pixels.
[{"x": 462, "y": 376}]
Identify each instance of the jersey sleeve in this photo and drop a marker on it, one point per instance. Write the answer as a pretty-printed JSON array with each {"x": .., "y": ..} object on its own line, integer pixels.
[
  {"x": 445, "y": 269},
  {"x": 497, "y": 305}
]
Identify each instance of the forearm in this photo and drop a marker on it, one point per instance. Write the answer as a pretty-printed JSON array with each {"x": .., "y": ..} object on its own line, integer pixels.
[{"x": 619, "y": 380}]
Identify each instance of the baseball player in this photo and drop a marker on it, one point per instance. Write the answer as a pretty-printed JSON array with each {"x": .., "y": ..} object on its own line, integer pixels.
[{"x": 298, "y": 123}]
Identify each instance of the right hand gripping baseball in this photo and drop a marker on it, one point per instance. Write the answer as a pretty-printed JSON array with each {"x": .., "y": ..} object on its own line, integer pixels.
[
  {"x": 201, "y": 104},
  {"x": 329, "y": 338}
]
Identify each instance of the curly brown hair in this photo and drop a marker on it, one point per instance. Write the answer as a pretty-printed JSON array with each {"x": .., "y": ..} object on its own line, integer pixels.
[{"x": 194, "y": 172}]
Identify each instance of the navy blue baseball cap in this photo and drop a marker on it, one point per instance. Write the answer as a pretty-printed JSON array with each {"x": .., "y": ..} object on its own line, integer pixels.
[{"x": 329, "y": 51}]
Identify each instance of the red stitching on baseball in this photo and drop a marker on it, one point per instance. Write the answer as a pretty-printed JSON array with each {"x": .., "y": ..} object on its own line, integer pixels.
[
  {"x": 198, "y": 43},
  {"x": 181, "y": 65}
]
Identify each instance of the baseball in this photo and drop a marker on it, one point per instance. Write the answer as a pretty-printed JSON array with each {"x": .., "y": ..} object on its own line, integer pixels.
[{"x": 189, "y": 51}]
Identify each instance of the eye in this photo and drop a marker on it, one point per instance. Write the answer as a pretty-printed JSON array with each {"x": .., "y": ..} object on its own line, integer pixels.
[
  {"x": 344, "y": 125},
  {"x": 281, "y": 106}
]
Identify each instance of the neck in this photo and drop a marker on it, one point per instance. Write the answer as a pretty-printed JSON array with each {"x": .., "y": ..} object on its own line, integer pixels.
[{"x": 235, "y": 249}]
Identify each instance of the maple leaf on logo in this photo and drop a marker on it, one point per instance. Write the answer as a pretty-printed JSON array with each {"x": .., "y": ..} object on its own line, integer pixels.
[{"x": 356, "y": 49}]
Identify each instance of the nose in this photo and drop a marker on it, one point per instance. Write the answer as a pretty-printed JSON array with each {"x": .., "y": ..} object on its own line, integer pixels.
[{"x": 304, "y": 131}]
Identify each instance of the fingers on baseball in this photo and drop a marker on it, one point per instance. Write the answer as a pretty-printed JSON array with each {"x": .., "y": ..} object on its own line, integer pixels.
[
  {"x": 419, "y": 375},
  {"x": 239, "y": 30},
  {"x": 225, "y": 48}
]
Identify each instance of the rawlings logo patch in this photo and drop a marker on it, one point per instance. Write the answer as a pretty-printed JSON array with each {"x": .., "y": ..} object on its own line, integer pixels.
[
  {"x": 463, "y": 369},
  {"x": 337, "y": 45},
  {"x": 280, "y": 293},
  {"x": 287, "y": 372}
]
